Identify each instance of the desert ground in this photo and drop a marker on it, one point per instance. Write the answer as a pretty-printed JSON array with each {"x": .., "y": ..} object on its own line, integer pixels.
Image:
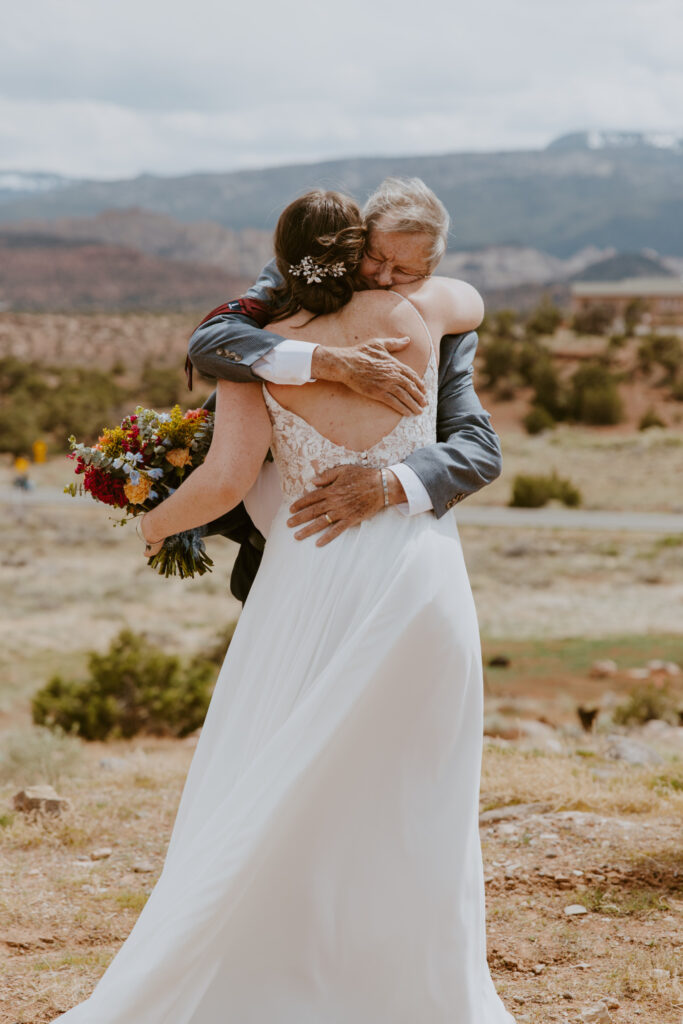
[{"x": 570, "y": 818}]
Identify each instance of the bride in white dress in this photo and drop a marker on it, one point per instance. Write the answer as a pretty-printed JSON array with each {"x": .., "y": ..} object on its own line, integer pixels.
[{"x": 325, "y": 864}]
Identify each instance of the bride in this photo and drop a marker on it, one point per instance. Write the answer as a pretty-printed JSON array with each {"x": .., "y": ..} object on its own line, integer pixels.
[{"x": 325, "y": 865}]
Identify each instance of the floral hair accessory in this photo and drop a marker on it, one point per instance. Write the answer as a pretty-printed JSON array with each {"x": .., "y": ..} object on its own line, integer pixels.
[{"x": 314, "y": 272}]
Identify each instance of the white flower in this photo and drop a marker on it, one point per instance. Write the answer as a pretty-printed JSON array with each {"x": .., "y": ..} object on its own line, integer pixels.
[{"x": 314, "y": 272}]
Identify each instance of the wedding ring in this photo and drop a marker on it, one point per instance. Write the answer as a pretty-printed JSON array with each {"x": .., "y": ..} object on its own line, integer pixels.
[{"x": 330, "y": 521}]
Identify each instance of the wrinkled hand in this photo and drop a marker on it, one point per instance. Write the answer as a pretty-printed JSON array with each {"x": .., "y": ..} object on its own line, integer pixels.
[
  {"x": 371, "y": 370},
  {"x": 347, "y": 494}
]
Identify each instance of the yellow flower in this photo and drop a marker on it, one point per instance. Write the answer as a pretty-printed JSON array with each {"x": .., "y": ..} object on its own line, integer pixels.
[
  {"x": 179, "y": 457},
  {"x": 137, "y": 493}
]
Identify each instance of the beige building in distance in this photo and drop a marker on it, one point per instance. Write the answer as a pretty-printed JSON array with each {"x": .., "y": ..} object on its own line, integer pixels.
[{"x": 661, "y": 299}]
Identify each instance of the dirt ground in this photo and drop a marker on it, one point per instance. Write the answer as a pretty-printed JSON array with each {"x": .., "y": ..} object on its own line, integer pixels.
[
  {"x": 563, "y": 822},
  {"x": 567, "y": 830}
]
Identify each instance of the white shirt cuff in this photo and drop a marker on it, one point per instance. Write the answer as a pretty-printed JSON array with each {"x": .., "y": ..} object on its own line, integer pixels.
[
  {"x": 416, "y": 492},
  {"x": 289, "y": 362}
]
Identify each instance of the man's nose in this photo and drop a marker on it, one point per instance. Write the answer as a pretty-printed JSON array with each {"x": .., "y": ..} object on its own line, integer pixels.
[{"x": 384, "y": 276}]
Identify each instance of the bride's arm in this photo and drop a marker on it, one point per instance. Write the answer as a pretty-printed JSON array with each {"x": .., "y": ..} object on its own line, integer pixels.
[{"x": 241, "y": 438}]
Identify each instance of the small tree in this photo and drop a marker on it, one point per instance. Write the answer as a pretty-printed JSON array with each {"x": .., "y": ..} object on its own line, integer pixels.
[
  {"x": 633, "y": 314},
  {"x": 502, "y": 323},
  {"x": 663, "y": 350},
  {"x": 545, "y": 319},
  {"x": 133, "y": 687},
  {"x": 594, "y": 397},
  {"x": 594, "y": 319},
  {"x": 499, "y": 360}
]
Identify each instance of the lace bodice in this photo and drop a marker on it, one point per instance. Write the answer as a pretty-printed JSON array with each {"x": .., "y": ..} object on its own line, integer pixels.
[{"x": 301, "y": 452}]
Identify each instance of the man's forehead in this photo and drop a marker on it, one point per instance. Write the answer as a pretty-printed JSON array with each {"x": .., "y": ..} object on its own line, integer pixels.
[{"x": 396, "y": 244}]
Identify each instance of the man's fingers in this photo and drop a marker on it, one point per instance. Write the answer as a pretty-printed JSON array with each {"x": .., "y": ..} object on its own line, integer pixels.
[
  {"x": 395, "y": 344},
  {"x": 333, "y": 532},
  {"x": 328, "y": 477},
  {"x": 306, "y": 500},
  {"x": 306, "y": 515},
  {"x": 392, "y": 402},
  {"x": 412, "y": 403},
  {"x": 318, "y": 524}
]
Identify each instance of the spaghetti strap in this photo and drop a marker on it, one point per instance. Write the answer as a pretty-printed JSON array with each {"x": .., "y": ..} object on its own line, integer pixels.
[{"x": 424, "y": 323}]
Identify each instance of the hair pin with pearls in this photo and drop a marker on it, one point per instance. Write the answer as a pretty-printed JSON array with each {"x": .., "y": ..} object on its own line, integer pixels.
[{"x": 314, "y": 272}]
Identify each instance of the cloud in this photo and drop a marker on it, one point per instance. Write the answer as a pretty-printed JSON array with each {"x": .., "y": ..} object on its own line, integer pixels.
[{"x": 109, "y": 90}]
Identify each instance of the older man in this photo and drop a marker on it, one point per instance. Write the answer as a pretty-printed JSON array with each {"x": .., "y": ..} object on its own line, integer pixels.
[{"x": 407, "y": 233}]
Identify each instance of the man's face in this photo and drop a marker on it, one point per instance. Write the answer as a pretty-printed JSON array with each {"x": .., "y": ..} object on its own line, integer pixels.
[{"x": 394, "y": 257}]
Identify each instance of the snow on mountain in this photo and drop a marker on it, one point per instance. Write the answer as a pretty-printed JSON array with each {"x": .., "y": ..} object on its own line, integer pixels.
[{"x": 27, "y": 182}]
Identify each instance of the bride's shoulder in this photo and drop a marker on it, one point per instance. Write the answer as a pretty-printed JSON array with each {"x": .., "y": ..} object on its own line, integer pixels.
[{"x": 457, "y": 303}]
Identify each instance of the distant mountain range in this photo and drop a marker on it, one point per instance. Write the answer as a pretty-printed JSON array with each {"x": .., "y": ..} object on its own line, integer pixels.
[
  {"x": 592, "y": 206},
  {"x": 619, "y": 190}
]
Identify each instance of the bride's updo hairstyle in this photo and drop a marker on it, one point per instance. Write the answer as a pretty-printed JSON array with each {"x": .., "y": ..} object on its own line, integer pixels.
[{"x": 320, "y": 235}]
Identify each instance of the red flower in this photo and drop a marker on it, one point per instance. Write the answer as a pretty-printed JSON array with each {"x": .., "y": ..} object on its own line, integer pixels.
[{"x": 103, "y": 487}]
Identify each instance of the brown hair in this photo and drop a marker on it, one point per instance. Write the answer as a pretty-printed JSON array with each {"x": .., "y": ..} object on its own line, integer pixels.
[{"x": 327, "y": 227}]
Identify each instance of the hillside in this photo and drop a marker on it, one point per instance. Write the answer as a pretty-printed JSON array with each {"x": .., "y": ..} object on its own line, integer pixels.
[
  {"x": 614, "y": 190},
  {"x": 46, "y": 273}
]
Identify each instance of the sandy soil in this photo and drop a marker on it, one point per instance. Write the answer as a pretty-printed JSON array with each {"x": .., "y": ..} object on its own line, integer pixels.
[{"x": 578, "y": 827}]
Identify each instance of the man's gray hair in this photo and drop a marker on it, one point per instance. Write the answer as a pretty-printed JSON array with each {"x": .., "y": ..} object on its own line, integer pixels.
[{"x": 407, "y": 204}]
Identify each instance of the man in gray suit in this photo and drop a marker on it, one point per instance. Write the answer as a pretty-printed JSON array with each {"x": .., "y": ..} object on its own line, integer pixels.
[{"x": 407, "y": 234}]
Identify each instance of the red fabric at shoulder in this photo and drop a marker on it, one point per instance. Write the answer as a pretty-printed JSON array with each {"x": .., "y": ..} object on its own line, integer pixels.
[{"x": 253, "y": 308}]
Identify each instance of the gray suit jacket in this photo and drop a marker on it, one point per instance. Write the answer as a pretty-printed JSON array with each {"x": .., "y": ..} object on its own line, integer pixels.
[{"x": 466, "y": 455}]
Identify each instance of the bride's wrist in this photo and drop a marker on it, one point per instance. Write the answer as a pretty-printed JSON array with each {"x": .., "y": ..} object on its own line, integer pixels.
[{"x": 148, "y": 540}]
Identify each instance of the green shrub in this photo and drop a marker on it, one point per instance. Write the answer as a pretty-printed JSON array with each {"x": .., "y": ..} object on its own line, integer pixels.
[
  {"x": 633, "y": 314},
  {"x": 134, "y": 687},
  {"x": 537, "y": 420},
  {"x": 545, "y": 319},
  {"x": 596, "y": 319},
  {"x": 530, "y": 357},
  {"x": 161, "y": 386},
  {"x": 648, "y": 701},
  {"x": 566, "y": 492},
  {"x": 665, "y": 350},
  {"x": 549, "y": 392},
  {"x": 529, "y": 491},
  {"x": 594, "y": 396},
  {"x": 19, "y": 427},
  {"x": 650, "y": 419},
  {"x": 499, "y": 360},
  {"x": 502, "y": 323}
]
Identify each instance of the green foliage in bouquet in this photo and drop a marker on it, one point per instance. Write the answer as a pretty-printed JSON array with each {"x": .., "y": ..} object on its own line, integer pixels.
[
  {"x": 133, "y": 687},
  {"x": 137, "y": 464}
]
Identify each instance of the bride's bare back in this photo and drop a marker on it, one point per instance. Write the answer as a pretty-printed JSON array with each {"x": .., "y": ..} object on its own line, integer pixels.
[{"x": 337, "y": 412}]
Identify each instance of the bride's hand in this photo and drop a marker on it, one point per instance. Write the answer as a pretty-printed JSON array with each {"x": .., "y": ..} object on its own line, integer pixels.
[{"x": 151, "y": 547}]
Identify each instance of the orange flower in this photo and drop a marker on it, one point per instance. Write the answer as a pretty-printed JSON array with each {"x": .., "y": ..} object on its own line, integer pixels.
[
  {"x": 179, "y": 457},
  {"x": 137, "y": 493}
]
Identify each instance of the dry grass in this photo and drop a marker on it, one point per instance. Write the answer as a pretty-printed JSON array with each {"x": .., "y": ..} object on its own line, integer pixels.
[
  {"x": 64, "y": 915},
  {"x": 514, "y": 776}
]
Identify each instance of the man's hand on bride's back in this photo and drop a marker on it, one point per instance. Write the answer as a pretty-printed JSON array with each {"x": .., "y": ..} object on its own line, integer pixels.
[
  {"x": 372, "y": 370},
  {"x": 343, "y": 497}
]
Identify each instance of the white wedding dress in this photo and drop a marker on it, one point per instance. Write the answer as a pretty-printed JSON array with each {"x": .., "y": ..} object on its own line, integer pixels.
[{"x": 325, "y": 864}]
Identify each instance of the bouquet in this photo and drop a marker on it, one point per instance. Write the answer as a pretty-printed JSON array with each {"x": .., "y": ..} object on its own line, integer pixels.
[{"x": 136, "y": 465}]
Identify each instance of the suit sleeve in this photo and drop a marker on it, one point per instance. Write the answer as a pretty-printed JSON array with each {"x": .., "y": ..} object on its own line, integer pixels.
[
  {"x": 231, "y": 338},
  {"x": 467, "y": 453}
]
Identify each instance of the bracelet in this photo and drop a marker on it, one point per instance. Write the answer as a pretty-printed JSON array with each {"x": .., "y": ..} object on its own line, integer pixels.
[
  {"x": 385, "y": 486},
  {"x": 147, "y": 543}
]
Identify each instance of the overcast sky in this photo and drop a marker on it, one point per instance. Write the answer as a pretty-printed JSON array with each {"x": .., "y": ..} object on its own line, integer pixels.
[{"x": 113, "y": 89}]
